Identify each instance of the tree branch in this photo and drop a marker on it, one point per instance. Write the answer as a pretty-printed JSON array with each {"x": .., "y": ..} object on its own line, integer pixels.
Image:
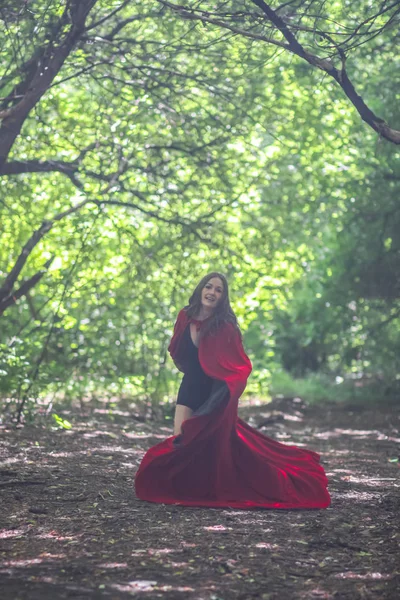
[
  {"x": 25, "y": 288},
  {"x": 293, "y": 45},
  {"x": 43, "y": 69},
  {"x": 7, "y": 297},
  {"x": 191, "y": 15},
  {"x": 69, "y": 169},
  {"x": 172, "y": 221},
  {"x": 47, "y": 224},
  {"x": 341, "y": 77}
]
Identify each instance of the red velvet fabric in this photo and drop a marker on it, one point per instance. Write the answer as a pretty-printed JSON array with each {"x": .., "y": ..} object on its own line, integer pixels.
[{"x": 219, "y": 460}]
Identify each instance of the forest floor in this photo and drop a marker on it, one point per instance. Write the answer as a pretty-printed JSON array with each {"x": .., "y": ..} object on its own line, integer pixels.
[{"x": 71, "y": 526}]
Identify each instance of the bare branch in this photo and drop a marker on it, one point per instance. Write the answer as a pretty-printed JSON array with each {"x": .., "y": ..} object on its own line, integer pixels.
[
  {"x": 202, "y": 16},
  {"x": 109, "y": 16}
]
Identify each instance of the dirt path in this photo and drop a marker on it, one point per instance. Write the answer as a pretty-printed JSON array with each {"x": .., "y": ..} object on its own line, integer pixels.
[{"x": 70, "y": 526}]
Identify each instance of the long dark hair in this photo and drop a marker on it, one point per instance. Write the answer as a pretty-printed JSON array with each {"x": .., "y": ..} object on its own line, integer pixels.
[{"x": 223, "y": 312}]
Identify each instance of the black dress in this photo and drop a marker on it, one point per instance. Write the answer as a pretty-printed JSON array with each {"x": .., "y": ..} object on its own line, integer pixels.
[{"x": 196, "y": 385}]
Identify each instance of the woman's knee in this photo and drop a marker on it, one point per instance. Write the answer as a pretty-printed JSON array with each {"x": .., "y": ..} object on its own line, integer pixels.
[{"x": 182, "y": 413}]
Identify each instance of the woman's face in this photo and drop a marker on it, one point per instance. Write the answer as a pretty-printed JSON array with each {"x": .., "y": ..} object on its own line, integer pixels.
[{"x": 212, "y": 292}]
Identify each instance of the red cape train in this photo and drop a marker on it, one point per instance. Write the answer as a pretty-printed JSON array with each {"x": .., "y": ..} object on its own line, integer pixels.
[{"x": 219, "y": 460}]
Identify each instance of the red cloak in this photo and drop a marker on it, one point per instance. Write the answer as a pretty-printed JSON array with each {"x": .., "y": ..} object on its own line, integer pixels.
[{"x": 219, "y": 460}]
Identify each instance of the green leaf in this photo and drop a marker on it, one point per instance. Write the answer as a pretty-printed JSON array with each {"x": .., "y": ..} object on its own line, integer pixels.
[{"x": 61, "y": 423}]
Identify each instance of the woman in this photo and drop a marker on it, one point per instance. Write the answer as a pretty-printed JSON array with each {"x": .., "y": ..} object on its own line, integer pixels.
[{"x": 214, "y": 458}]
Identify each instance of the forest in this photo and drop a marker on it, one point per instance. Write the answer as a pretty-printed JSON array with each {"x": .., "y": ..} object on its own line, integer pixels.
[{"x": 143, "y": 145}]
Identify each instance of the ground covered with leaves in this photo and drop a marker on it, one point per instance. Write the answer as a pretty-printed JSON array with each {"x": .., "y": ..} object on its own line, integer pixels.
[{"x": 71, "y": 526}]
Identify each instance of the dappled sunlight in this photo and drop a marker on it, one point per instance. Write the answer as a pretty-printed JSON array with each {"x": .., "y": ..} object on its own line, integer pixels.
[
  {"x": 163, "y": 551},
  {"x": 373, "y": 481},
  {"x": 140, "y": 585},
  {"x": 267, "y": 546},
  {"x": 139, "y": 552},
  {"x": 71, "y": 453},
  {"x": 357, "y": 433},
  {"x": 391, "y": 439},
  {"x": 116, "y": 450},
  {"x": 268, "y": 419},
  {"x": 95, "y": 434},
  {"x": 6, "y": 534},
  {"x": 347, "y": 471},
  {"x": 326, "y": 435},
  {"x": 253, "y": 401},
  {"x": 54, "y": 535},
  {"x": 151, "y": 556},
  {"x": 236, "y": 513},
  {"x": 28, "y": 562},
  {"x": 217, "y": 528},
  {"x": 113, "y": 565},
  {"x": 317, "y": 594},
  {"x": 282, "y": 435},
  {"x": 294, "y": 418},
  {"x": 45, "y": 579},
  {"x": 358, "y": 496},
  {"x": 143, "y": 436},
  {"x": 112, "y": 411},
  {"x": 134, "y": 587},
  {"x": 143, "y": 144},
  {"x": 12, "y": 461},
  {"x": 93, "y": 451},
  {"x": 352, "y": 575}
]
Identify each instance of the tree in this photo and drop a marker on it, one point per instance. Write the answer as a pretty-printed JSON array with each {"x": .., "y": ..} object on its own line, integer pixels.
[{"x": 157, "y": 151}]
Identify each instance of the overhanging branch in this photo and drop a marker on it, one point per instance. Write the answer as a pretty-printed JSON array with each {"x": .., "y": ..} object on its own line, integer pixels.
[
  {"x": 17, "y": 167},
  {"x": 340, "y": 76},
  {"x": 291, "y": 44}
]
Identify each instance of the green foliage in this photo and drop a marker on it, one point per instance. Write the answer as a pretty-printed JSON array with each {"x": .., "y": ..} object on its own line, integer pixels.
[
  {"x": 198, "y": 152},
  {"x": 319, "y": 387},
  {"x": 61, "y": 423}
]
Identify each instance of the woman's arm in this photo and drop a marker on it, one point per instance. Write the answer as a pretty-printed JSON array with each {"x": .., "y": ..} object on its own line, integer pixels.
[{"x": 178, "y": 327}]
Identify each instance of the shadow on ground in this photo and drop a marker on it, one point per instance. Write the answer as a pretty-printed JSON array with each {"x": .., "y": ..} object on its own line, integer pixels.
[{"x": 71, "y": 527}]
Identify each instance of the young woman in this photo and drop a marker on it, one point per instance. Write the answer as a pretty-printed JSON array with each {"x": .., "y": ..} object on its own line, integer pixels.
[{"x": 215, "y": 458}]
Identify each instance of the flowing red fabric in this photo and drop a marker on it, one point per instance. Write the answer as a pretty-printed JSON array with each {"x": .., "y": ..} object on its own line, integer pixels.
[{"x": 219, "y": 460}]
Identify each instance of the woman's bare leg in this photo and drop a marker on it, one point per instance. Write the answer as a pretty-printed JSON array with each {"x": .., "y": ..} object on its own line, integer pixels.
[{"x": 181, "y": 414}]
